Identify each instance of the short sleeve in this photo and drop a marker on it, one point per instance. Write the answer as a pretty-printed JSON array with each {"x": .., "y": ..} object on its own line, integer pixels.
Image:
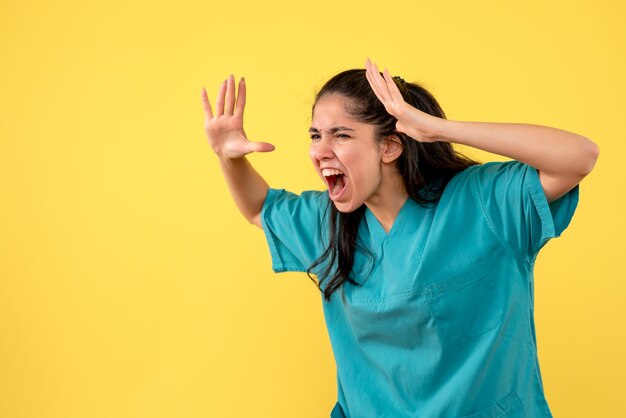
[
  {"x": 291, "y": 224},
  {"x": 516, "y": 206}
]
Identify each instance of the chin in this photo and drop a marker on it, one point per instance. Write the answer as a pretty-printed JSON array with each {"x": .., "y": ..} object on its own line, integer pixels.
[{"x": 346, "y": 207}]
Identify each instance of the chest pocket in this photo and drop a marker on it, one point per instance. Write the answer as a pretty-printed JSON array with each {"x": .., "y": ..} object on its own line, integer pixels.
[
  {"x": 510, "y": 406},
  {"x": 464, "y": 305}
]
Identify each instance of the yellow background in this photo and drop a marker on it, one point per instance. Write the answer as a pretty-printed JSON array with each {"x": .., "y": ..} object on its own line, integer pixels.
[{"x": 130, "y": 286}]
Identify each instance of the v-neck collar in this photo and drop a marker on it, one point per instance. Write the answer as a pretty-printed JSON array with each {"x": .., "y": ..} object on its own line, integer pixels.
[{"x": 376, "y": 228}]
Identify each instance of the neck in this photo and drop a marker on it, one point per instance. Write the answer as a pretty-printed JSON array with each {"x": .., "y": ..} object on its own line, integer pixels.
[{"x": 386, "y": 204}]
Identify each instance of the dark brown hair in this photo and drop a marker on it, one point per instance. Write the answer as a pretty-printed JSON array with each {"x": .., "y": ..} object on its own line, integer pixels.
[{"x": 425, "y": 167}]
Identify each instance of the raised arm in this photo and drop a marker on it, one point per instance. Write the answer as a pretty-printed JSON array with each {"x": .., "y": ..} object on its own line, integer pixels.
[
  {"x": 562, "y": 158},
  {"x": 225, "y": 133}
]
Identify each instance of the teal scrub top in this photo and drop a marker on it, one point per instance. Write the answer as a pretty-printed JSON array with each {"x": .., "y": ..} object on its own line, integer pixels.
[{"x": 441, "y": 322}]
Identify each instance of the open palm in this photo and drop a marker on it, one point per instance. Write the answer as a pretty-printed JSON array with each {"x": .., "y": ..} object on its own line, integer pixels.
[
  {"x": 224, "y": 129},
  {"x": 417, "y": 124}
]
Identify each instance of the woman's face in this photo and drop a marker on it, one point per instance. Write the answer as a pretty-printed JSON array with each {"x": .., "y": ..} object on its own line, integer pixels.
[{"x": 345, "y": 154}]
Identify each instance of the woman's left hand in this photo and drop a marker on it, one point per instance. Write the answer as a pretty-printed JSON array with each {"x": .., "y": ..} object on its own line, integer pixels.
[{"x": 417, "y": 124}]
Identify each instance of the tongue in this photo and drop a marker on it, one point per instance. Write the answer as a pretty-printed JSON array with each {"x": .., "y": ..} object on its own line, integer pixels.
[{"x": 338, "y": 186}]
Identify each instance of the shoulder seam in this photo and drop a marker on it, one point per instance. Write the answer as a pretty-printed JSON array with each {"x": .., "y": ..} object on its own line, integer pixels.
[{"x": 492, "y": 227}]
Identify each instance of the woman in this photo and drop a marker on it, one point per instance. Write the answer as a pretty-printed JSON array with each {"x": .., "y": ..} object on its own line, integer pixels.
[{"x": 424, "y": 257}]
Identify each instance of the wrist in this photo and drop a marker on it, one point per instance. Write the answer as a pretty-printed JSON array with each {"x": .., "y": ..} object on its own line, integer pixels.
[
  {"x": 228, "y": 161},
  {"x": 441, "y": 129}
]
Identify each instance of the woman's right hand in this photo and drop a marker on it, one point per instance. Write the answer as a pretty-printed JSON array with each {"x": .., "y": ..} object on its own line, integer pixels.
[{"x": 225, "y": 129}]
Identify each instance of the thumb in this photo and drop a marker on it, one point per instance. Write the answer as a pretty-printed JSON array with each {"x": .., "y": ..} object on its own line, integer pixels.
[{"x": 260, "y": 147}]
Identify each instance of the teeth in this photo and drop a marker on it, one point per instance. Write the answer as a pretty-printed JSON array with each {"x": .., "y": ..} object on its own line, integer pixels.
[{"x": 330, "y": 172}]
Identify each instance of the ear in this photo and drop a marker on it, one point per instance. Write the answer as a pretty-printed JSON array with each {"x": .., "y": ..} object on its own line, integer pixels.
[{"x": 392, "y": 149}]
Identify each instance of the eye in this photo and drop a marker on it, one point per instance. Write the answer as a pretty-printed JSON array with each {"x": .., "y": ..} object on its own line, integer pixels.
[
  {"x": 343, "y": 136},
  {"x": 315, "y": 137}
]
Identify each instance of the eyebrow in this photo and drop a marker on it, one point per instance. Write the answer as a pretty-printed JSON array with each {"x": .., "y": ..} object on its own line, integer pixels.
[{"x": 331, "y": 130}]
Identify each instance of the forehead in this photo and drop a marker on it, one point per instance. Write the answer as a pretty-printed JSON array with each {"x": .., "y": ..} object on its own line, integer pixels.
[{"x": 330, "y": 110}]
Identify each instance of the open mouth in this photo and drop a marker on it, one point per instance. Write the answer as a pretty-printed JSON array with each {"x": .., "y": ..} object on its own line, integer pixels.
[{"x": 336, "y": 181}]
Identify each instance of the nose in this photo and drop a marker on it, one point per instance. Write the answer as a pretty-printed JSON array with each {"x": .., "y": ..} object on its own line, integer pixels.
[{"x": 321, "y": 150}]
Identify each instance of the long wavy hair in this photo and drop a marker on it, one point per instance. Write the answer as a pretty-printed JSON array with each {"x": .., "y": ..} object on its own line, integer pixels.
[{"x": 425, "y": 167}]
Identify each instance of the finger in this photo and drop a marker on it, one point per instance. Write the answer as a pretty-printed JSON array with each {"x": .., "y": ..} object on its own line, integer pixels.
[
  {"x": 230, "y": 96},
  {"x": 370, "y": 78},
  {"x": 219, "y": 102},
  {"x": 380, "y": 84},
  {"x": 370, "y": 75},
  {"x": 378, "y": 80},
  {"x": 394, "y": 91},
  {"x": 241, "y": 98},
  {"x": 206, "y": 105}
]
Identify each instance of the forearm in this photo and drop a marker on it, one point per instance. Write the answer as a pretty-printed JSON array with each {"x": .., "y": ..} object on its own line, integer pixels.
[
  {"x": 550, "y": 150},
  {"x": 247, "y": 187}
]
